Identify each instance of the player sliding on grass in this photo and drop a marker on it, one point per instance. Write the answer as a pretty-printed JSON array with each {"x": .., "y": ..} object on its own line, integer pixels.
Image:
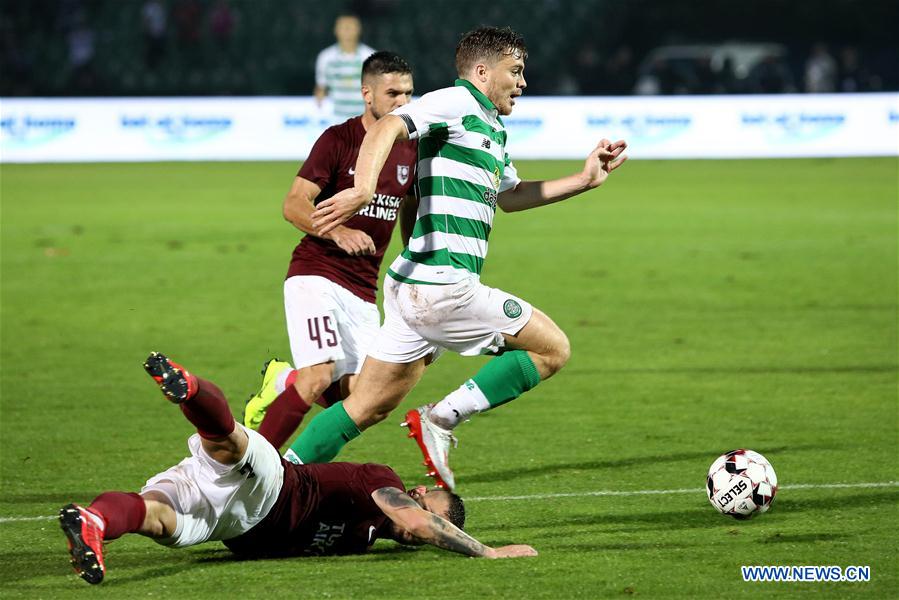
[
  {"x": 433, "y": 297},
  {"x": 236, "y": 488},
  {"x": 329, "y": 293}
]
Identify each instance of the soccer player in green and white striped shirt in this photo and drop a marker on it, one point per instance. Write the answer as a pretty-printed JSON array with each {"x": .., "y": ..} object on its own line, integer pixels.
[
  {"x": 433, "y": 297},
  {"x": 338, "y": 69}
]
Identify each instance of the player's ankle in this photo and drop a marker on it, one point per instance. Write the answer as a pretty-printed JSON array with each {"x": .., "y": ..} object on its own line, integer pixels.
[{"x": 442, "y": 422}]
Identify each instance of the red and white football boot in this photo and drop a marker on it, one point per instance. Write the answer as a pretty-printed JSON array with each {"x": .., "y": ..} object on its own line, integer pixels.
[
  {"x": 174, "y": 380},
  {"x": 434, "y": 443},
  {"x": 84, "y": 530}
]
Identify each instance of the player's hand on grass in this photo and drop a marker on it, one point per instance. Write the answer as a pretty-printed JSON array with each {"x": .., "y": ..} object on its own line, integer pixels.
[
  {"x": 354, "y": 242},
  {"x": 513, "y": 551},
  {"x": 337, "y": 209},
  {"x": 605, "y": 158}
]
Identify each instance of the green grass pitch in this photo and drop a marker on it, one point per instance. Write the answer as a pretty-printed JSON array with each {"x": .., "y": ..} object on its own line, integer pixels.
[{"x": 710, "y": 305}]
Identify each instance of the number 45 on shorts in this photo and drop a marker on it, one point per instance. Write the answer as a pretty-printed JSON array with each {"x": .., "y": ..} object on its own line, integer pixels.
[{"x": 322, "y": 332}]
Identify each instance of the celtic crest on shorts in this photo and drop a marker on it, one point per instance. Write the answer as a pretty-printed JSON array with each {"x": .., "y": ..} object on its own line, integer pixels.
[{"x": 512, "y": 308}]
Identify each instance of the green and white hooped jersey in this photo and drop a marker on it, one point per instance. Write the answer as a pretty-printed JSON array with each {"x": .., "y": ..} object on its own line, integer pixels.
[
  {"x": 341, "y": 73},
  {"x": 462, "y": 167}
]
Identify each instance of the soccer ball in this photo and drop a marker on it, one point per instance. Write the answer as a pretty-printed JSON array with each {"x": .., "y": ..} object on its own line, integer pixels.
[{"x": 741, "y": 483}]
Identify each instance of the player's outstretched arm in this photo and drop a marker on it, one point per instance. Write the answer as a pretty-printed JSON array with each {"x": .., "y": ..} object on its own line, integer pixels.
[
  {"x": 605, "y": 158},
  {"x": 433, "y": 529},
  {"x": 373, "y": 154}
]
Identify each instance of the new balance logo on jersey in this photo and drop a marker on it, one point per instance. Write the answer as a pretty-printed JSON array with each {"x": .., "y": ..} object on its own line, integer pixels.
[{"x": 485, "y": 144}]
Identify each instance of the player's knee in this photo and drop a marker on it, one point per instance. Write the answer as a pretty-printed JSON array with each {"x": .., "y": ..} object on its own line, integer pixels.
[
  {"x": 559, "y": 354},
  {"x": 310, "y": 385},
  {"x": 366, "y": 411},
  {"x": 229, "y": 450},
  {"x": 157, "y": 519}
]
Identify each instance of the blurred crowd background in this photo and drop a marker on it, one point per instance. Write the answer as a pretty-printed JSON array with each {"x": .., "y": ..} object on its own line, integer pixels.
[{"x": 577, "y": 47}]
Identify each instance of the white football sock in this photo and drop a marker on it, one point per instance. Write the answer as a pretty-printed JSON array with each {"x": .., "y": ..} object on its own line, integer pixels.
[
  {"x": 281, "y": 380},
  {"x": 459, "y": 405}
]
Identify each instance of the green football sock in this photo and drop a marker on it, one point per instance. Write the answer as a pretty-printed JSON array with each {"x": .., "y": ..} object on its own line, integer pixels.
[
  {"x": 506, "y": 377},
  {"x": 325, "y": 435}
]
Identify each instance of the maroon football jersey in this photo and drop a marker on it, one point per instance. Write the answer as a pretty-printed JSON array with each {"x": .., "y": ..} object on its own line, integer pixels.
[
  {"x": 331, "y": 166},
  {"x": 321, "y": 509}
]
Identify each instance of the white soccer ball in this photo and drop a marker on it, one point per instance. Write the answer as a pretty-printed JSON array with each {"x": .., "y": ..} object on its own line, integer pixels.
[{"x": 741, "y": 483}]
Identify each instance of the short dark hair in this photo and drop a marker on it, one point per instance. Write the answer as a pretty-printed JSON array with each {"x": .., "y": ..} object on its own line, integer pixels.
[
  {"x": 488, "y": 43},
  {"x": 455, "y": 514},
  {"x": 383, "y": 62}
]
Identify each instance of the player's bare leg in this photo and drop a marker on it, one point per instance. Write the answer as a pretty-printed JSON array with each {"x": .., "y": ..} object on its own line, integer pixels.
[
  {"x": 380, "y": 389},
  {"x": 381, "y": 386},
  {"x": 109, "y": 516},
  {"x": 113, "y": 514},
  {"x": 537, "y": 352},
  {"x": 302, "y": 388},
  {"x": 160, "y": 520},
  {"x": 311, "y": 382},
  {"x": 545, "y": 343}
]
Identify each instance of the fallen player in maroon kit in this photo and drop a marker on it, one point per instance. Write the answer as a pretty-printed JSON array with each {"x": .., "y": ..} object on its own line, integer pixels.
[{"x": 236, "y": 488}]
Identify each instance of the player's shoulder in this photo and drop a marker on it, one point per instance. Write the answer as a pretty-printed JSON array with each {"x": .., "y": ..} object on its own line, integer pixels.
[
  {"x": 343, "y": 133},
  {"x": 365, "y": 51},
  {"x": 452, "y": 93},
  {"x": 453, "y": 99},
  {"x": 349, "y": 126},
  {"x": 387, "y": 476},
  {"x": 329, "y": 52}
]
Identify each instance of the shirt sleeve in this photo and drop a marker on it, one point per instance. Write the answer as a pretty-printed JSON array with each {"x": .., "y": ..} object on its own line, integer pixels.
[
  {"x": 433, "y": 112},
  {"x": 374, "y": 477},
  {"x": 366, "y": 51},
  {"x": 510, "y": 178},
  {"x": 321, "y": 166}
]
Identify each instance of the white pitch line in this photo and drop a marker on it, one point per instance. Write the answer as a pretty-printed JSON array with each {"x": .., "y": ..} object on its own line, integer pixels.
[
  {"x": 798, "y": 486},
  {"x": 22, "y": 519}
]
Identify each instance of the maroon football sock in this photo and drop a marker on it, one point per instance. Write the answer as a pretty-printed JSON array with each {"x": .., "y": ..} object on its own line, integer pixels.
[
  {"x": 123, "y": 512},
  {"x": 283, "y": 417},
  {"x": 331, "y": 395},
  {"x": 208, "y": 410}
]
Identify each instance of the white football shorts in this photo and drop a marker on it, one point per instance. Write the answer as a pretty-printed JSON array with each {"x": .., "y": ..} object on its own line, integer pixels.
[
  {"x": 214, "y": 501},
  {"x": 465, "y": 317},
  {"x": 328, "y": 323}
]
